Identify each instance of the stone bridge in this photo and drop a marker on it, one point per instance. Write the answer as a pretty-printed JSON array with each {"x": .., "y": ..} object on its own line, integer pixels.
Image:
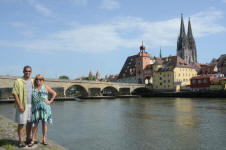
[{"x": 81, "y": 87}]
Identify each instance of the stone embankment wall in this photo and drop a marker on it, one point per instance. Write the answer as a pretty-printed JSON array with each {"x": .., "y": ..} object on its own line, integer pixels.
[
  {"x": 187, "y": 94},
  {"x": 6, "y": 93}
]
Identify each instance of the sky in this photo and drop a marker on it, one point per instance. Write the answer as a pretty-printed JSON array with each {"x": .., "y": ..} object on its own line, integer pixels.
[{"x": 73, "y": 37}]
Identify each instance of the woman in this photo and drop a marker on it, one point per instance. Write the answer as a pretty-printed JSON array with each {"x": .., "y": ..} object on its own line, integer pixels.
[{"x": 41, "y": 109}]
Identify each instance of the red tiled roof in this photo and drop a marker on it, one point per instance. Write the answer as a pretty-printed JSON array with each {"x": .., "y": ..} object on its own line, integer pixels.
[
  {"x": 207, "y": 69},
  {"x": 169, "y": 63},
  {"x": 130, "y": 64}
]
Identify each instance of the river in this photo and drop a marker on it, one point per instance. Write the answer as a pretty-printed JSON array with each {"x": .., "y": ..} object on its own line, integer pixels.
[{"x": 137, "y": 124}]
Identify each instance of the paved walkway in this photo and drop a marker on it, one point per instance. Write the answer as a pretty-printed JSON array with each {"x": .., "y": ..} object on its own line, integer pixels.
[{"x": 9, "y": 138}]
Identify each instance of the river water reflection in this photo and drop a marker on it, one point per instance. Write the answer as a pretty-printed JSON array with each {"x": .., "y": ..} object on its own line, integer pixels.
[{"x": 137, "y": 124}]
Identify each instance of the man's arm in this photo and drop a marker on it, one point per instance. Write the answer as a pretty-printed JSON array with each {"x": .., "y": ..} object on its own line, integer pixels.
[
  {"x": 21, "y": 107},
  {"x": 15, "y": 93}
]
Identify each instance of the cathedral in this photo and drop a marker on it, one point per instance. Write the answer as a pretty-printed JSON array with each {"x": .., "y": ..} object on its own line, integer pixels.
[
  {"x": 140, "y": 68},
  {"x": 186, "y": 47}
]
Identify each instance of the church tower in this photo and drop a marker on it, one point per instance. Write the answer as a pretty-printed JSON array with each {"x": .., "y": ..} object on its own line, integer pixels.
[
  {"x": 186, "y": 47},
  {"x": 182, "y": 43},
  {"x": 192, "y": 45},
  {"x": 143, "y": 59}
]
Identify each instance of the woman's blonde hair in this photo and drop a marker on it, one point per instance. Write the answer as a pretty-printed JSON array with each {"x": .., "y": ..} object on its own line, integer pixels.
[{"x": 39, "y": 76}]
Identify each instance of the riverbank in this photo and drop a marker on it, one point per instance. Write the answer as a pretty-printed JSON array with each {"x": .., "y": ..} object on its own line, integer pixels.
[
  {"x": 9, "y": 138},
  {"x": 187, "y": 94}
]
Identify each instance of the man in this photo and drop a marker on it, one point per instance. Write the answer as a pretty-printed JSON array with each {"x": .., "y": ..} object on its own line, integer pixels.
[{"x": 22, "y": 92}]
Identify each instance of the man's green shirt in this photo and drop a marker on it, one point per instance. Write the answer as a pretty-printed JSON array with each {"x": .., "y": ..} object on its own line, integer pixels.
[{"x": 20, "y": 89}]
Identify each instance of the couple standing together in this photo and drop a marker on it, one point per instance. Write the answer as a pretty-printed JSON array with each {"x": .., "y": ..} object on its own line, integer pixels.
[{"x": 32, "y": 104}]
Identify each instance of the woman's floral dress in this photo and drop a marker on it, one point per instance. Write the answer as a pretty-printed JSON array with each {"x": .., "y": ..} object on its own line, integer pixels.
[{"x": 40, "y": 110}]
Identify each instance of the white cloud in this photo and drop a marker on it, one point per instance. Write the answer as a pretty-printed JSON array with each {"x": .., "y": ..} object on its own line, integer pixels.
[
  {"x": 205, "y": 23},
  {"x": 122, "y": 33},
  {"x": 109, "y": 4},
  {"x": 80, "y": 2},
  {"x": 18, "y": 24},
  {"x": 40, "y": 8},
  {"x": 28, "y": 33},
  {"x": 24, "y": 29}
]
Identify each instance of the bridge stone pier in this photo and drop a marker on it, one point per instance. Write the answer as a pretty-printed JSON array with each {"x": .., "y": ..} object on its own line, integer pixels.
[{"x": 82, "y": 87}]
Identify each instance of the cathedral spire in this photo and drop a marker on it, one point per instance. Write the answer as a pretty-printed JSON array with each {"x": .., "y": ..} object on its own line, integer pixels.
[
  {"x": 192, "y": 45},
  {"x": 186, "y": 47},
  {"x": 189, "y": 29},
  {"x": 182, "y": 42},
  {"x": 182, "y": 29},
  {"x": 160, "y": 54}
]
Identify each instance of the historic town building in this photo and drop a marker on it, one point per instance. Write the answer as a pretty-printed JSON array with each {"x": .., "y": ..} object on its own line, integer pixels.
[
  {"x": 142, "y": 61},
  {"x": 211, "y": 76},
  {"x": 216, "y": 66},
  {"x": 201, "y": 82},
  {"x": 137, "y": 68},
  {"x": 208, "y": 82},
  {"x": 221, "y": 64},
  {"x": 172, "y": 73},
  {"x": 128, "y": 71},
  {"x": 186, "y": 47},
  {"x": 208, "y": 69}
]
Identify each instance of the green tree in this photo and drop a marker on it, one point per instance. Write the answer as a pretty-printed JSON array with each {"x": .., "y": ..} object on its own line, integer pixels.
[
  {"x": 82, "y": 78},
  {"x": 64, "y": 77},
  {"x": 92, "y": 78}
]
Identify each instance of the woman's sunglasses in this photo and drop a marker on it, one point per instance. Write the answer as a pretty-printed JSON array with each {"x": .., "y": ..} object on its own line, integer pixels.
[{"x": 38, "y": 79}]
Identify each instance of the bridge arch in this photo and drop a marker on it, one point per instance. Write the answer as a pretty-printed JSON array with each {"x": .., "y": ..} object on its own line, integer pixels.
[
  {"x": 110, "y": 91},
  {"x": 141, "y": 91},
  {"x": 76, "y": 90}
]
